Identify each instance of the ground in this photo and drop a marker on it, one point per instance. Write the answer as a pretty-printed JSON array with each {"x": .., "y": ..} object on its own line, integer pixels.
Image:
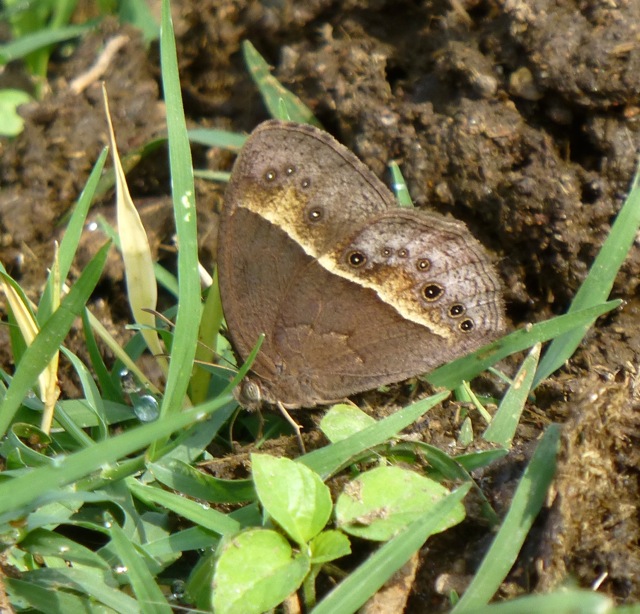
[{"x": 521, "y": 118}]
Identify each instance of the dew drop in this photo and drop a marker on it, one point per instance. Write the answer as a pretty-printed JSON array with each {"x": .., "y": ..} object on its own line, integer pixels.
[
  {"x": 146, "y": 408},
  {"x": 178, "y": 589}
]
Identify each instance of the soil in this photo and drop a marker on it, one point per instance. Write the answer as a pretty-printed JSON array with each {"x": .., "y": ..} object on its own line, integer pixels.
[{"x": 519, "y": 117}]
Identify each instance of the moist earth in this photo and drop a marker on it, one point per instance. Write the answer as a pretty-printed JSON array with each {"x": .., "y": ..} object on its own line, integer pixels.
[{"x": 520, "y": 118}]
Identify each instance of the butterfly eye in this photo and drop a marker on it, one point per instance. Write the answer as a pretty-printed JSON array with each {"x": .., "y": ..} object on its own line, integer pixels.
[
  {"x": 423, "y": 264},
  {"x": 467, "y": 325},
  {"x": 356, "y": 259},
  {"x": 432, "y": 292},
  {"x": 455, "y": 311}
]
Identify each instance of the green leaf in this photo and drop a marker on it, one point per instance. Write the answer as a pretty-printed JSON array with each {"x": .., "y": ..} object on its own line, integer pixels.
[
  {"x": 256, "y": 570},
  {"x": 326, "y": 461},
  {"x": 367, "y": 579},
  {"x": 293, "y": 495},
  {"x": 344, "y": 420},
  {"x": 328, "y": 546},
  {"x": 11, "y": 124},
  {"x": 382, "y": 502}
]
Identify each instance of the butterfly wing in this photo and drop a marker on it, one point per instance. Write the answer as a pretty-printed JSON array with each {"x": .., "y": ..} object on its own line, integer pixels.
[
  {"x": 405, "y": 293},
  {"x": 294, "y": 192}
]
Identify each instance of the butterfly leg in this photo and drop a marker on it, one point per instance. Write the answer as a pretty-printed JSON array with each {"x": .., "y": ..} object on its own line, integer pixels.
[{"x": 296, "y": 427}]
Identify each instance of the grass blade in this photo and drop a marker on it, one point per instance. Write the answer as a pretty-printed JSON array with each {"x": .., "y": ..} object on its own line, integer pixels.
[
  {"x": 29, "y": 488},
  {"x": 504, "y": 423},
  {"x": 598, "y": 283},
  {"x": 183, "y": 190},
  {"x": 329, "y": 459},
  {"x": 464, "y": 369},
  {"x": 350, "y": 594},
  {"x": 276, "y": 96},
  {"x": 524, "y": 508},
  {"x": 150, "y": 598},
  {"x": 50, "y": 337}
]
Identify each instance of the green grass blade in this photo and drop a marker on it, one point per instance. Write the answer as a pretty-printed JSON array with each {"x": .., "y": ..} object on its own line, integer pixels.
[
  {"x": 188, "y": 480},
  {"x": 50, "y": 337},
  {"x": 108, "y": 388},
  {"x": 44, "y": 600},
  {"x": 211, "y": 137},
  {"x": 210, "y": 324},
  {"x": 326, "y": 461},
  {"x": 202, "y": 515},
  {"x": 360, "y": 585},
  {"x": 464, "y": 369},
  {"x": 72, "y": 234},
  {"x": 527, "y": 502},
  {"x": 183, "y": 190},
  {"x": 400, "y": 188},
  {"x": 598, "y": 283},
  {"x": 43, "y": 38},
  {"x": 274, "y": 94},
  {"x": 139, "y": 14},
  {"x": 504, "y": 423},
  {"x": 43, "y": 542},
  {"x": 193, "y": 538},
  {"x": 25, "y": 490},
  {"x": 560, "y": 602},
  {"x": 55, "y": 581},
  {"x": 92, "y": 396},
  {"x": 150, "y": 597}
]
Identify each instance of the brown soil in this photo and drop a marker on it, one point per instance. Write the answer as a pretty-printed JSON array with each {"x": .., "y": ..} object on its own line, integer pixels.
[{"x": 519, "y": 117}]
